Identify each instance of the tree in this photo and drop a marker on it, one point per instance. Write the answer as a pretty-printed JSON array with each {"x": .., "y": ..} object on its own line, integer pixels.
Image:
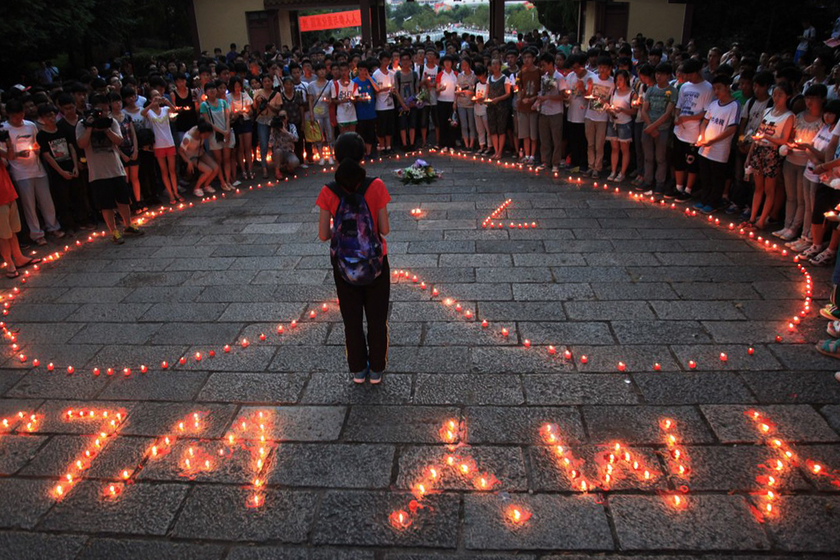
[
  {"x": 558, "y": 16},
  {"x": 521, "y": 19}
]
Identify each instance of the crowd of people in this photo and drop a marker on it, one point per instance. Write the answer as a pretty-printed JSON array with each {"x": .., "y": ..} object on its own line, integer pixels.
[{"x": 750, "y": 134}]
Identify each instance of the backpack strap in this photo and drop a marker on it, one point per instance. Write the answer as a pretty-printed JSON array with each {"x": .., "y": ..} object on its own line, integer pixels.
[{"x": 365, "y": 185}]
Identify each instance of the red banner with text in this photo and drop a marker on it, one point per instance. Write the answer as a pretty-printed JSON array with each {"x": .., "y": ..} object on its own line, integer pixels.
[{"x": 335, "y": 20}]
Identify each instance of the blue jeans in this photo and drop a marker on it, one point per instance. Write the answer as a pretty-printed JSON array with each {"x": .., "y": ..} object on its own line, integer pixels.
[{"x": 263, "y": 132}]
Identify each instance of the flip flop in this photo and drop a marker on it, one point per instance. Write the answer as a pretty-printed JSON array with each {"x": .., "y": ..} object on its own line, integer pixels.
[
  {"x": 829, "y": 348},
  {"x": 14, "y": 274},
  {"x": 30, "y": 262}
]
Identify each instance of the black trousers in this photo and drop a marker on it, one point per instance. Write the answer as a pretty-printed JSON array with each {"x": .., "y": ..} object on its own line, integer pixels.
[
  {"x": 370, "y": 301},
  {"x": 577, "y": 146},
  {"x": 713, "y": 180},
  {"x": 447, "y": 131}
]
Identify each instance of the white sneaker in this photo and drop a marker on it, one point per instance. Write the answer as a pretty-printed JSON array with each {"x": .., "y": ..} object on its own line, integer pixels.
[
  {"x": 648, "y": 193},
  {"x": 236, "y": 183},
  {"x": 824, "y": 259},
  {"x": 304, "y": 166},
  {"x": 199, "y": 193},
  {"x": 209, "y": 189},
  {"x": 789, "y": 236},
  {"x": 227, "y": 188},
  {"x": 799, "y": 245},
  {"x": 781, "y": 232},
  {"x": 555, "y": 169},
  {"x": 619, "y": 178},
  {"x": 331, "y": 161},
  {"x": 611, "y": 177},
  {"x": 813, "y": 251},
  {"x": 322, "y": 162}
]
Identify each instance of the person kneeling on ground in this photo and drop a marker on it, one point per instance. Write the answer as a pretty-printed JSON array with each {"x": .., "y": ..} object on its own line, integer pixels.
[
  {"x": 192, "y": 152},
  {"x": 357, "y": 206},
  {"x": 282, "y": 141},
  {"x": 100, "y": 137}
]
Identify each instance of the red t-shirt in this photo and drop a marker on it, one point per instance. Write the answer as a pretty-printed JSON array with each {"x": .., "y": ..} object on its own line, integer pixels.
[
  {"x": 376, "y": 196},
  {"x": 7, "y": 190}
]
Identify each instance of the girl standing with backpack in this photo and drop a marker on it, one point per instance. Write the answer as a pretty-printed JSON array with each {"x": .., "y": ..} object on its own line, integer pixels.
[{"x": 358, "y": 207}]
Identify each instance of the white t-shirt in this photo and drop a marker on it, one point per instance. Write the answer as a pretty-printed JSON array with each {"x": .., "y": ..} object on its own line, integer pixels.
[
  {"x": 448, "y": 82},
  {"x": 602, "y": 90},
  {"x": 320, "y": 107},
  {"x": 192, "y": 144},
  {"x": 756, "y": 111},
  {"x": 431, "y": 74},
  {"x": 809, "y": 33},
  {"x": 820, "y": 142},
  {"x": 577, "y": 102},
  {"x": 344, "y": 112},
  {"x": 622, "y": 101},
  {"x": 160, "y": 126},
  {"x": 693, "y": 100},
  {"x": 552, "y": 107},
  {"x": 384, "y": 80},
  {"x": 772, "y": 126},
  {"x": 720, "y": 118},
  {"x": 23, "y": 138},
  {"x": 480, "y": 93},
  {"x": 242, "y": 106}
]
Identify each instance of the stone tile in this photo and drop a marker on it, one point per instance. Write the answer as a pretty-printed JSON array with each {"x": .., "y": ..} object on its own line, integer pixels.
[
  {"x": 506, "y": 464},
  {"x": 735, "y": 469},
  {"x": 548, "y": 259},
  {"x": 396, "y": 424},
  {"x": 461, "y": 333},
  {"x": 468, "y": 389},
  {"x": 566, "y": 522},
  {"x": 154, "y": 386},
  {"x": 697, "y": 310},
  {"x": 706, "y": 523},
  {"x": 118, "y": 357},
  {"x": 605, "y": 311},
  {"x": 789, "y": 387},
  {"x": 636, "y": 358},
  {"x": 659, "y": 332},
  {"x": 832, "y": 416},
  {"x": 589, "y": 274},
  {"x": 424, "y": 311},
  {"x": 252, "y": 388},
  {"x": 48, "y": 333},
  {"x": 332, "y": 465},
  {"x": 306, "y": 359},
  {"x": 549, "y": 471},
  {"x": 114, "y": 333},
  {"x": 185, "y": 312},
  {"x": 262, "y": 312},
  {"x": 521, "y": 425},
  {"x": 552, "y": 292},
  {"x": 611, "y": 291},
  {"x": 726, "y": 291},
  {"x": 428, "y": 360},
  {"x": 303, "y": 423},
  {"x": 707, "y": 358},
  {"x": 800, "y": 357},
  {"x": 154, "y": 419},
  {"x": 338, "y": 388},
  {"x": 61, "y": 355},
  {"x": 86, "y": 295},
  {"x": 196, "y": 333},
  {"x": 212, "y": 511},
  {"x": 155, "y": 294},
  {"x": 251, "y": 359},
  {"x": 140, "y": 550},
  {"x": 288, "y": 277},
  {"x": 361, "y": 519},
  {"x": 568, "y": 332},
  {"x": 249, "y": 552},
  {"x": 85, "y": 507},
  {"x": 15, "y": 545},
  {"x": 18, "y": 450},
  {"x": 692, "y": 388},
  {"x": 622, "y": 259},
  {"x": 109, "y": 312},
  {"x": 42, "y": 312},
  {"x": 28, "y": 499},
  {"x": 794, "y": 423},
  {"x": 527, "y": 275},
  {"x": 640, "y": 424},
  {"x": 577, "y": 389},
  {"x": 497, "y": 359},
  {"x": 807, "y": 524}
]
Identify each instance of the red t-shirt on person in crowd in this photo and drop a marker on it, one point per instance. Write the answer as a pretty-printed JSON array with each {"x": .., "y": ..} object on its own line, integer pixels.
[
  {"x": 7, "y": 190},
  {"x": 377, "y": 197}
]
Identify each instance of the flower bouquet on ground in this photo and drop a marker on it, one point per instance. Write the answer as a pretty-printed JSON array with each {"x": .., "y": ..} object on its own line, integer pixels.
[{"x": 418, "y": 173}]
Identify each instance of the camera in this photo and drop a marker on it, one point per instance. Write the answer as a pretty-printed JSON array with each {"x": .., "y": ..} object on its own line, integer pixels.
[
  {"x": 278, "y": 122},
  {"x": 100, "y": 120}
]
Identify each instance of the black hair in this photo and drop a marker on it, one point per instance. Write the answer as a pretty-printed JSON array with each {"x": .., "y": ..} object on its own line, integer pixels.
[
  {"x": 721, "y": 79},
  {"x": 646, "y": 70},
  {"x": 203, "y": 69},
  {"x": 14, "y": 106},
  {"x": 764, "y": 78},
  {"x": 127, "y": 91},
  {"x": 664, "y": 68},
  {"x": 349, "y": 145},
  {"x": 180, "y": 76},
  {"x": 785, "y": 87},
  {"x": 480, "y": 70},
  {"x": 64, "y": 99},
  {"x": 605, "y": 61},
  {"x": 816, "y": 90},
  {"x": 547, "y": 57},
  {"x": 98, "y": 99},
  {"x": 204, "y": 126},
  {"x": 113, "y": 97},
  {"x": 833, "y": 107},
  {"x": 691, "y": 66},
  {"x": 46, "y": 108}
]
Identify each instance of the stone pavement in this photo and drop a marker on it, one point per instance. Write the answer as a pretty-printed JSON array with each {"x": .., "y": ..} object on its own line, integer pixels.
[{"x": 603, "y": 276}]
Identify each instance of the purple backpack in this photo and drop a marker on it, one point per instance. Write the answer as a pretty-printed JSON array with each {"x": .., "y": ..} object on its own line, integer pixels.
[{"x": 356, "y": 248}]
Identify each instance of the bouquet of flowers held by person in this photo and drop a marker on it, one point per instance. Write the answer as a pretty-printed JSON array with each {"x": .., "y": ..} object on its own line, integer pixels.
[
  {"x": 547, "y": 85},
  {"x": 418, "y": 173},
  {"x": 423, "y": 97}
]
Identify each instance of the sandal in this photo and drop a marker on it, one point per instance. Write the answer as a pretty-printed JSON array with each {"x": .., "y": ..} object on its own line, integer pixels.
[
  {"x": 30, "y": 262},
  {"x": 830, "y": 348},
  {"x": 830, "y": 312},
  {"x": 173, "y": 202},
  {"x": 179, "y": 197},
  {"x": 833, "y": 329},
  {"x": 14, "y": 274}
]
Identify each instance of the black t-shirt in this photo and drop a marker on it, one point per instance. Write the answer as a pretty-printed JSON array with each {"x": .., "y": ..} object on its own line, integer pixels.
[
  {"x": 57, "y": 144},
  {"x": 70, "y": 131},
  {"x": 187, "y": 116}
]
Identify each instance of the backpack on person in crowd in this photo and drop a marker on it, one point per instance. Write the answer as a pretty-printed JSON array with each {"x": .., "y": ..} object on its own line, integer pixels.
[{"x": 356, "y": 248}]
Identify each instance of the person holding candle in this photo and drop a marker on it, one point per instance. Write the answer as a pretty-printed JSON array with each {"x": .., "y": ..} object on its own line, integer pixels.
[
  {"x": 694, "y": 96},
  {"x": 621, "y": 111},
  {"x": 657, "y": 113},
  {"x": 446, "y": 82},
  {"x": 10, "y": 219},
  {"x": 365, "y": 105},
  {"x": 482, "y": 129},
  {"x": 429, "y": 110},
  {"x": 527, "y": 117},
  {"x": 156, "y": 115},
  {"x": 498, "y": 109},
  {"x": 368, "y": 198},
  {"x": 407, "y": 86},
  {"x": 466, "y": 105},
  {"x": 266, "y": 105},
  {"x": 806, "y": 126},
  {"x": 576, "y": 84},
  {"x": 319, "y": 110},
  {"x": 241, "y": 105},
  {"x": 29, "y": 174},
  {"x": 550, "y": 106},
  {"x": 384, "y": 80},
  {"x": 62, "y": 164},
  {"x": 344, "y": 96},
  {"x": 216, "y": 111},
  {"x": 720, "y": 124},
  {"x": 100, "y": 137},
  {"x": 764, "y": 158},
  {"x": 284, "y": 136},
  {"x": 599, "y": 89}
]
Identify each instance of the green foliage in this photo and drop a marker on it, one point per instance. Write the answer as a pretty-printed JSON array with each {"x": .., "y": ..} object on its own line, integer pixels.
[
  {"x": 558, "y": 16},
  {"x": 521, "y": 18}
]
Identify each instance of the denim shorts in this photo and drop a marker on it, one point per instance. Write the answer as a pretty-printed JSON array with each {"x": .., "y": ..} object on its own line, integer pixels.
[{"x": 620, "y": 132}]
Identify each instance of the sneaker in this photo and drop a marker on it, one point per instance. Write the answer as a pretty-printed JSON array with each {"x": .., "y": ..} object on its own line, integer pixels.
[
  {"x": 563, "y": 165},
  {"x": 199, "y": 193},
  {"x": 830, "y": 312},
  {"x": 648, "y": 193},
  {"x": 375, "y": 377},
  {"x": 708, "y": 209},
  {"x": 304, "y": 166},
  {"x": 638, "y": 181},
  {"x": 833, "y": 329},
  {"x": 58, "y": 234},
  {"x": 699, "y": 205},
  {"x": 789, "y": 236},
  {"x": 611, "y": 177},
  {"x": 322, "y": 162},
  {"x": 117, "y": 237},
  {"x": 781, "y": 232},
  {"x": 211, "y": 190},
  {"x": 360, "y": 377},
  {"x": 829, "y": 348},
  {"x": 134, "y": 230},
  {"x": 555, "y": 169},
  {"x": 799, "y": 245},
  {"x": 531, "y": 160},
  {"x": 40, "y": 241},
  {"x": 619, "y": 178},
  {"x": 683, "y": 196},
  {"x": 594, "y": 173},
  {"x": 330, "y": 161},
  {"x": 236, "y": 183},
  {"x": 732, "y": 208},
  {"x": 824, "y": 259},
  {"x": 812, "y": 252}
]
